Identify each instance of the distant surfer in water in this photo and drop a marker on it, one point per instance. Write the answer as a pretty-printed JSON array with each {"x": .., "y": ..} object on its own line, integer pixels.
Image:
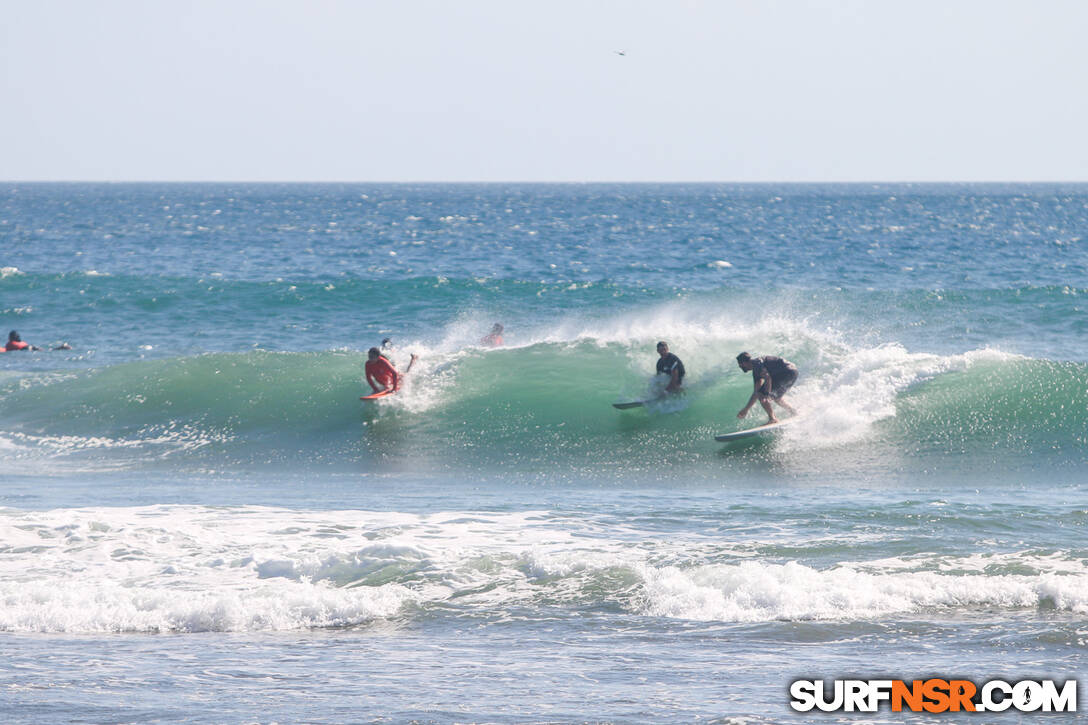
[
  {"x": 669, "y": 364},
  {"x": 379, "y": 370},
  {"x": 14, "y": 343},
  {"x": 493, "y": 338},
  {"x": 772, "y": 377}
]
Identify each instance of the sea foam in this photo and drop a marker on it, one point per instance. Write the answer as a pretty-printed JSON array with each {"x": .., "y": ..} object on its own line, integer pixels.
[{"x": 196, "y": 569}]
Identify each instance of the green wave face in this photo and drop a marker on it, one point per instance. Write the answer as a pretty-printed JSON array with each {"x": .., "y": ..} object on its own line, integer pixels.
[{"x": 547, "y": 407}]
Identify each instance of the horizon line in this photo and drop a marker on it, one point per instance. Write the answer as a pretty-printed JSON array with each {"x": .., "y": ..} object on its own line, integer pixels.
[{"x": 527, "y": 182}]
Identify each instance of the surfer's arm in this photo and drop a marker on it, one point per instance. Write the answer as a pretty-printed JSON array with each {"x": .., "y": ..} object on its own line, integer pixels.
[
  {"x": 758, "y": 387},
  {"x": 674, "y": 382},
  {"x": 370, "y": 380},
  {"x": 748, "y": 406}
]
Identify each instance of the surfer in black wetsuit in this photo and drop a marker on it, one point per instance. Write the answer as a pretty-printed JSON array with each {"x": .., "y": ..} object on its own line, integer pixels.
[
  {"x": 669, "y": 364},
  {"x": 772, "y": 377}
]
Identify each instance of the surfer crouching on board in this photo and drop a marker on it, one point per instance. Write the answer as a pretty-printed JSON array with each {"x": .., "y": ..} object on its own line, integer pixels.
[
  {"x": 378, "y": 368},
  {"x": 669, "y": 364},
  {"x": 773, "y": 377}
]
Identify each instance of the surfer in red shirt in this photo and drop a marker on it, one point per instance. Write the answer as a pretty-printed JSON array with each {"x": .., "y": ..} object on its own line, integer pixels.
[
  {"x": 380, "y": 370},
  {"x": 16, "y": 343},
  {"x": 493, "y": 338}
]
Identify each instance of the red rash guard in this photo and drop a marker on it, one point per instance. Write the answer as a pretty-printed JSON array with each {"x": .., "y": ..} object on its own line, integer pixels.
[{"x": 382, "y": 371}]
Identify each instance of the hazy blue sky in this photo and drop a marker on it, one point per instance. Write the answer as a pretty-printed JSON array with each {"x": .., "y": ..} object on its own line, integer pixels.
[{"x": 491, "y": 90}]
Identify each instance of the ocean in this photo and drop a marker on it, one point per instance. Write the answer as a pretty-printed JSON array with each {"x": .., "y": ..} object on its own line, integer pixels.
[{"x": 201, "y": 522}]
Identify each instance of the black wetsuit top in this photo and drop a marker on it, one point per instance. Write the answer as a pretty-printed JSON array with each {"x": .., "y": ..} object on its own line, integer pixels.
[
  {"x": 783, "y": 373},
  {"x": 669, "y": 363}
]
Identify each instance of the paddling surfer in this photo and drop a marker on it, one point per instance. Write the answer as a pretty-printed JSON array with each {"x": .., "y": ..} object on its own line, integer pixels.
[
  {"x": 15, "y": 342},
  {"x": 379, "y": 370},
  {"x": 669, "y": 364},
  {"x": 772, "y": 378}
]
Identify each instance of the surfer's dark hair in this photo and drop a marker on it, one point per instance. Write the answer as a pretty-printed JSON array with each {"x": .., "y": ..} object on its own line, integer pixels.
[
  {"x": 743, "y": 357},
  {"x": 374, "y": 352},
  {"x": 662, "y": 344}
]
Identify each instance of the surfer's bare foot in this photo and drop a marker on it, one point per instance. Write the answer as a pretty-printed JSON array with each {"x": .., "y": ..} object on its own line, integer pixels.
[{"x": 772, "y": 421}]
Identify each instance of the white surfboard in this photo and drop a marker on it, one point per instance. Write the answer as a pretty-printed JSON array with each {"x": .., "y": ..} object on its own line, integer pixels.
[{"x": 767, "y": 429}]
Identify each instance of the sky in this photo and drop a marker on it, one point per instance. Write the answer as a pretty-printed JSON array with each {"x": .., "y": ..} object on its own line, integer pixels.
[{"x": 527, "y": 90}]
